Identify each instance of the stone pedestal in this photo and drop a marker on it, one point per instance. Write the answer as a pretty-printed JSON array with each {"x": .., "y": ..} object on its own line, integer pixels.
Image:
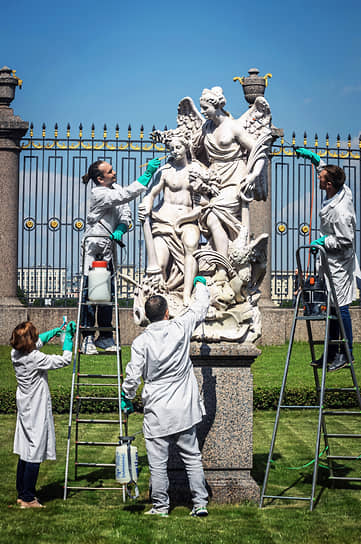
[{"x": 225, "y": 380}]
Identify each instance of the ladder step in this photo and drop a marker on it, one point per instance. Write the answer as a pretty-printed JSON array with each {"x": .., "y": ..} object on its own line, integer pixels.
[
  {"x": 97, "y": 375},
  {"x": 107, "y": 353},
  {"x": 95, "y": 464},
  {"x": 321, "y": 342},
  {"x": 341, "y": 435},
  {"x": 310, "y": 318},
  {"x": 87, "y": 303},
  {"x": 101, "y": 329},
  {"x": 82, "y": 443},
  {"x": 341, "y": 413},
  {"x": 83, "y": 488},
  {"x": 298, "y": 407},
  {"x": 96, "y": 398},
  {"x": 98, "y": 384},
  {"x": 345, "y": 457},
  {"x": 345, "y": 478},
  {"x": 285, "y": 497},
  {"x": 338, "y": 389},
  {"x": 100, "y": 421}
]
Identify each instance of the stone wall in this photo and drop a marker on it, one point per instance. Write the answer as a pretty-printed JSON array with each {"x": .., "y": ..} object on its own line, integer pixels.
[{"x": 276, "y": 323}]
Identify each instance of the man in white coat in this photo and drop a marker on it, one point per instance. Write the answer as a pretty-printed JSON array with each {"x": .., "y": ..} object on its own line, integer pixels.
[
  {"x": 171, "y": 400},
  {"x": 338, "y": 230}
]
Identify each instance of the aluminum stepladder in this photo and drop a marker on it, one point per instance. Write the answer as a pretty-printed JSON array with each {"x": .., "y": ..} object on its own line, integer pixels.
[
  {"x": 320, "y": 385},
  {"x": 82, "y": 379}
]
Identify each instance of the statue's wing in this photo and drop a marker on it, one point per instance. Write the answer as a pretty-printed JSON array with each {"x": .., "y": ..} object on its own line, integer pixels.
[
  {"x": 189, "y": 122},
  {"x": 189, "y": 118}
]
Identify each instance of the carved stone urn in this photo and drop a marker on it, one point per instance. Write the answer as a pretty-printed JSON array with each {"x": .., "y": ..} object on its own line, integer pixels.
[
  {"x": 253, "y": 85},
  {"x": 8, "y": 84}
]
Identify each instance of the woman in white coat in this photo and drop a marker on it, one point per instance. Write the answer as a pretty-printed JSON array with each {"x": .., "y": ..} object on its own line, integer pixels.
[{"x": 34, "y": 434}]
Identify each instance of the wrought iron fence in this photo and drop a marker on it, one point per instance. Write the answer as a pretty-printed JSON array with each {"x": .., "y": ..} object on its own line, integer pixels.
[{"x": 53, "y": 207}]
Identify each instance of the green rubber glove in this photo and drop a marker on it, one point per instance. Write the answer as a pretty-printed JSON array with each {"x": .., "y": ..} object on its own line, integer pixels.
[
  {"x": 308, "y": 154},
  {"x": 127, "y": 405},
  {"x": 69, "y": 334},
  {"x": 319, "y": 241},
  {"x": 48, "y": 335},
  {"x": 201, "y": 279},
  {"x": 119, "y": 231},
  {"x": 152, "y": 167}
]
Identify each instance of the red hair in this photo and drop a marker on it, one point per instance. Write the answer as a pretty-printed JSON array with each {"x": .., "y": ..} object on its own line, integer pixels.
[{"x": 24, "y": 337}]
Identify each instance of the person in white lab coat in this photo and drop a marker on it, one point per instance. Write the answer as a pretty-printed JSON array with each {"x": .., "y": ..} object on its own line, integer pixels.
[
  {"x": 34, "y": 434},
  {"x": 338, "y": 234},
  {"x": 172, "y": 405},
  {"x": 110, "y": 217}
]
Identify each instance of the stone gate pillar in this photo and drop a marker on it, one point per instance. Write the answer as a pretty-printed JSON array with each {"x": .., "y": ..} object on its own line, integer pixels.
[{"x": 12, "y": 129}]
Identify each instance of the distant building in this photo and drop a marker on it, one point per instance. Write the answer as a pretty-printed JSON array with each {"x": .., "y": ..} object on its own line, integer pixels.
[{"x": 42, "y": 282}]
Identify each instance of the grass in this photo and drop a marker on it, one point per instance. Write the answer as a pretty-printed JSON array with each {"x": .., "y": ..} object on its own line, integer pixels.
[
  {"x": 267, "y": 369},
  {"x": 101, "y": 517}
]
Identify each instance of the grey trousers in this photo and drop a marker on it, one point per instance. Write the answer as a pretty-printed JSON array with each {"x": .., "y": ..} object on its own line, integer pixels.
[{"x": 157, "y": 451}]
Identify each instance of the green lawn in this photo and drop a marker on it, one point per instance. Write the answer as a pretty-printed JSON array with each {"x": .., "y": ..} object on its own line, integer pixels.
[{"x": 101, "y": 517}]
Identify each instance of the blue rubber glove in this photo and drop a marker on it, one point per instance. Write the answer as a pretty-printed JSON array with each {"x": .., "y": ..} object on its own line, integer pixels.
[
  {"x": 201, "y": 279},
  {"x": 127, "y": 405},
  {"x": 69, "y": 334},
  {"x": 319, "y": 241},
  {"x": 308, "y": 154},
  {"x": 48, "y": 335},
  {"x": 152, "y": 167},
  {"x": 119, "y": 231}
]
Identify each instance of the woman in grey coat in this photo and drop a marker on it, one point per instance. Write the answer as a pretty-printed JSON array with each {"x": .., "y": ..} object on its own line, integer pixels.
[{"x": 34, "y": 434}]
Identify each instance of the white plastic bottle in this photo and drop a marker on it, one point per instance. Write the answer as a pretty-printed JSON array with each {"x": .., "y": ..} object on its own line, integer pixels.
[
  {"x": 99, "y": 282},
  {"x": 126, "y": 472}
]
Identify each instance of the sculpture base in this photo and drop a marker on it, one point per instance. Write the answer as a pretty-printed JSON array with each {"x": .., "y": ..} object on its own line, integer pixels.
[
  {"x": 224, "y": 487},
  {"x": 223, "y": 372}
]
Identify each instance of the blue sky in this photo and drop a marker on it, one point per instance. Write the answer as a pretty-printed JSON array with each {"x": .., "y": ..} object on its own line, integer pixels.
[{"x": 131, "y": 62}]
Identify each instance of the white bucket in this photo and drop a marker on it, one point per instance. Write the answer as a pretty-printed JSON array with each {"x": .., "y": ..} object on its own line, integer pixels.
[
  {"x": 123, "y": 472},
  {"x": 99, "y": 283}
]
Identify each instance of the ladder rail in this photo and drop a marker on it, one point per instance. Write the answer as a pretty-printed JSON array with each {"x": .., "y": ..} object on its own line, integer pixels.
[{"x": 76, "y": 382}]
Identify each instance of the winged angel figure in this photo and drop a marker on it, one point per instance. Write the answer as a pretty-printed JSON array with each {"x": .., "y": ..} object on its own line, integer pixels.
[{"x": 224, "y": 170}]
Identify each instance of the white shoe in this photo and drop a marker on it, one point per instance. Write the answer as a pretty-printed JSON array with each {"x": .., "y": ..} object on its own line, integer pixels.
[
  {"x": 155, "y": 512},
  {"x": 107, "y": 343},
  {"x": 199, "y": 511},
  {"x": 88, "y": 346}
]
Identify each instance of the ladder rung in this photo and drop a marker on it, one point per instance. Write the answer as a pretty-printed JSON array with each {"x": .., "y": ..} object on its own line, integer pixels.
[
  {"x": 96, "y": 398},
  {"x": 91, "y": 303},
  {"x": 285, "y": 497},
  {"x": 98, "y": 384},
  {"x": 310, "y": 318},
  {"x": 95, "y": 464},
  {"x": 84, "y": 488},
  {"x": 321, "y": 342},
  {"x": 296, "y": 407},
  {"x": 336, "y": 435},
  {"x": 82, "y": 443},
  {"x": 97, "y": 375},
  {"x": 345, "y": 478},
  {"x": 345, "y": 457},
  {"x": 341, "y": 413},
  {"x": 101, "y": 329},
  {"x": 338, "y": 389},
  {"x": 104, "y": 421}
]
